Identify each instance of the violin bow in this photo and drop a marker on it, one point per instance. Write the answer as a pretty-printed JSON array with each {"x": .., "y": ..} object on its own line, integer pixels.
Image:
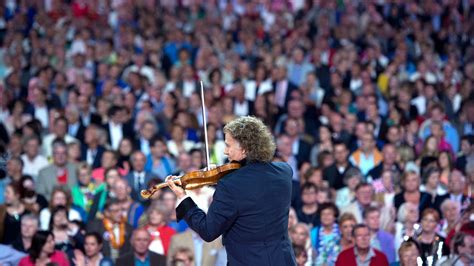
[{"x": 204, "y": 122}]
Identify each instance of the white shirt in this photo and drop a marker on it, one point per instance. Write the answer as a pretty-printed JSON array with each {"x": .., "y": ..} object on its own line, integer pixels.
[
  {"x": 241, "y": 109},
  {"x": 32, "y": 167},
  {"x": 116, "y": 134},
  {"x": 188, "y": 88},
  {"x": 45, "y": 216},
  {"x": 41, "y": 113}
]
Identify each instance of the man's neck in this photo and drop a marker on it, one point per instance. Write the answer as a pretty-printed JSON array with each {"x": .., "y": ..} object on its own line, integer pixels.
[
  {"x": 343, "y": 164},
  {"x": 363, "y": 252},
  {"x": 26, "y": 242},
  {"x": 93, "y": 260}
]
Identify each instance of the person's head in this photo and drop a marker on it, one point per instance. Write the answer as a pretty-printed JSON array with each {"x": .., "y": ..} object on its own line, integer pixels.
[
  {"x": 121, "y": 189},
  {"x": 451, "y": 210},
  {"x": 457, "y": 182},
  {"x": 158, "y": 147},
  {"x": 42, "y": 243},
  {"x": 157, "y": 214},
  {"x": 408, "y": 253},
  {"x": 109, "y": 159},
  {"x": 59, "y": 218},
  {"x": 111, "y": 175},
  {"x": 14, "y": 167},
  {"x": 92, "y": 244},
  {"x": 431, "y": 177},
  {"x": 352, "y": 177},
  {"x": 430, "y": 147},
  {"x": 138, "y": 160},
  {"x": 429, "y": 220},
  {"x": 410, "y": 181},
  {"x": 31, "y": 146},
  {"x": 60, "y": 196},
  {"x": 309, "y": 193},
  {"x": 301, "y": 255},
  {"x": 113, "y": 211},
  {"x": 140, "y": 241},
  {"x": 74, "y": 151},
  {"x": 59, "y": 153},
  {"x": 84, "y": 174},
  {"x": 125, "y": 147},
  {"x": 347, "y": 221},
  {"x": 299, "y": 234},
  {"x": 389, "y": 153},
  {"x": 247, "y": 137},
  {"x": 60, "y": 127},
  {"x": 394, "y": 134},
  {"x": 328, "y": 213},
  {"x": 91, "y": 135},
  {"x": 361, "y": 235},
  {"x": 364, "y": 193},
  {"x": 183, "y": 256},
  {"x": 463, "y": 244},
  {"x": 168, "y": 199},
  {"x": 408, "y": 212},
  {"x": 148, "y": 129},
  {"x": 372, "y": 218},
  {"x": 12, "y": 193},
  {"x": 29, "y": 225},
  {"x": 340, "y": 152},
  {"x": 444, "y": 160},
  {"x": 368, "y": 142}
]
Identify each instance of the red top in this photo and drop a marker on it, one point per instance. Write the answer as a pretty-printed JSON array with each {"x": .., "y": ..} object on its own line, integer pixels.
[
  {"x": 62, "y": 179},
  {"x": 166, "y": 232},
  {"x": 57, "y": 257},
  {"x": 347, "y": 258}
]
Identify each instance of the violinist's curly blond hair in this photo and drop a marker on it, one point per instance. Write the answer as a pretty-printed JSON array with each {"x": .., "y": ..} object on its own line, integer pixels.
[{"x": 254, "y": 137}]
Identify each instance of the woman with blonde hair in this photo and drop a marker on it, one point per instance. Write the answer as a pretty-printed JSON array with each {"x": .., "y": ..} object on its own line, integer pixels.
[{"x": 157, "y": 225}]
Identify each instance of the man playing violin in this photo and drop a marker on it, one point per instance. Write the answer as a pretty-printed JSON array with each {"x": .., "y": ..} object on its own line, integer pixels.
[{"x": 250, "y": 206}]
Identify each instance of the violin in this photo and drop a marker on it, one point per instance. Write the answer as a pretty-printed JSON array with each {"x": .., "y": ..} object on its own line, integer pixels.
[{"x": 195, "y": 179}]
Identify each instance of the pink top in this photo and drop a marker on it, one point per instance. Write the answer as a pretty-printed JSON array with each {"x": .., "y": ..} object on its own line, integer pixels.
[{"x": 58, "y": 257}]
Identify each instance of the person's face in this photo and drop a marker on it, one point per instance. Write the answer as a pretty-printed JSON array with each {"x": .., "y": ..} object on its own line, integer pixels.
[
  {"x": 299, "y": 236},
  {"x": 443, "y": 160},
  {"x": 140, "y": 242},
  {"x": 367, "y": 142},
  {"x": 389, "y": 155},
  {"x": 73, "y": 152},
  {"x": 90, "y": 135},
  {"x": 59, "y": 199},
  {"x": 353, "y": 182},
  {"x": 32, "y": 148},
  {"x": 138, "y": 162},
  {"x": 169, "y": 201},
  {"x": 433, "y": 180},
  {"x": 346, "y": 229},
  {"x": 60, "y": 155},
  {"x": 387, "y": 180},
  {"x": 233, "y": 150},
  {"x": 10, "y": 195},
  {"x": 13, "y": 167},
  {"x": 340, "y": 154},
  {"x": 91, "y": 247},
  {"x": 324, "y": 134},
  {"x": 121, "y": 189},
  {"x": 412, "y": 213},
  {"x": 309, "y": 196},
  {"x": 362, "y": 238},
  {"x": 327, "y": 217},
  {"x": 301, "y": 259},
  {"x": 112, "y": 177},
  {"x": 148, "y": 130},
  {"x": 432, "y": 144},
  {"x": 451, "y": 212},
  {"x": 84, "y": 177},
  {"x": 177, "y": 134},
  {"x": 409, "y": 256},
  {"x": 114, "y": 213},
  {"x": 364, "y": 195},
  {"x": 158, "y": 149},
  {"x": 125, "y": 147},
  {"x": 181, "y": 258},
  {"x": 316, "y": 178},
  {"x": 155, "y": 218},
  {"x": 28, "y": 228},
  {"x": 108, "y": 160},
  {"x": 373, "y": 220},
  {"x": 60, "y": 128},
  {"x": 468, "y": 246},
  {"x": 412, "y": 183},
  {"x": 292, "y": 218},
  {"x": 429, "y": 223},
  {"x": 48, "y": 247},
  {"x": 457, "y": 182},
  {"x": 60, "y": 218}
]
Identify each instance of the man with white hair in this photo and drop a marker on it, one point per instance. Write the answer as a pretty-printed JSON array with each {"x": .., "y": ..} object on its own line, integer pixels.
[
  {"x": 451, "y": 211},
  {"x": 457, "y": 184}
]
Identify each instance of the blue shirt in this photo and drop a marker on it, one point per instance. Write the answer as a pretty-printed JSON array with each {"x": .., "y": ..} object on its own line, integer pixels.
[{"x": 138, "y": 262}]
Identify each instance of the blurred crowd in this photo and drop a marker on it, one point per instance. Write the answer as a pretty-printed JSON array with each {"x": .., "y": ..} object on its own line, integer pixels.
[{"x": 371, "y": 103}]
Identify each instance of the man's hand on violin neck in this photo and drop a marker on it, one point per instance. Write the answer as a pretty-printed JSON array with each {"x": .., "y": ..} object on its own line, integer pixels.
[{"x": 178, "y": 191}]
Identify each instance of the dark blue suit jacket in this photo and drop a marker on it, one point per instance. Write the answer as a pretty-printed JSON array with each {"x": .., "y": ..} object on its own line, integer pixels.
[{"x": 250, "y": 209}]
